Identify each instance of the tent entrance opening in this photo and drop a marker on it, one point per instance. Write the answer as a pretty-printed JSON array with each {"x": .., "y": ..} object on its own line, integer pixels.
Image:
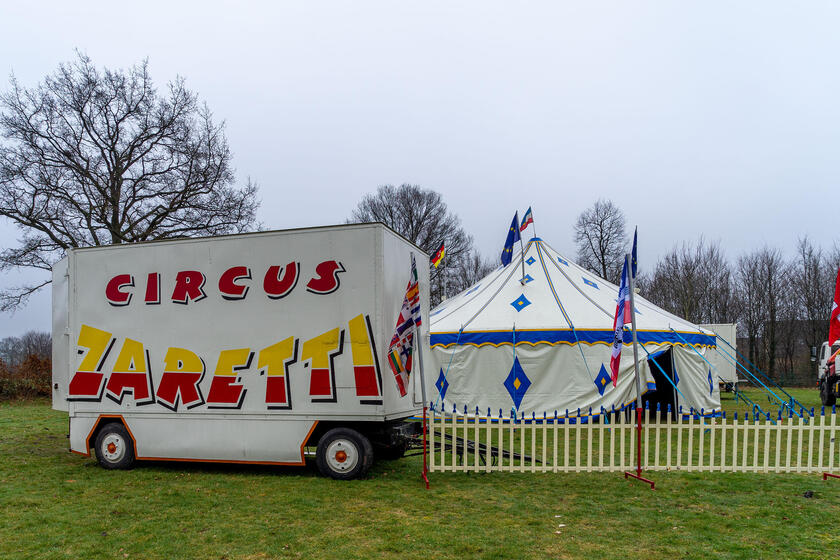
[{"x": 664, "y": 394}]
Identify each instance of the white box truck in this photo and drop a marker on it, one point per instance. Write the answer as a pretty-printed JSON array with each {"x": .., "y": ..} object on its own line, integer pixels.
[{"x": 243, "y": 348}]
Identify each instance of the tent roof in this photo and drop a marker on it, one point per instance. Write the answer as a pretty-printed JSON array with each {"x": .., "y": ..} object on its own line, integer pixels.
[{"x": 558, "y": 302}]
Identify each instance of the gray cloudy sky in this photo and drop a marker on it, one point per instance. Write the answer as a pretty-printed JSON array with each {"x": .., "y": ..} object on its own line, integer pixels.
[{"x": 713, "y": 118}]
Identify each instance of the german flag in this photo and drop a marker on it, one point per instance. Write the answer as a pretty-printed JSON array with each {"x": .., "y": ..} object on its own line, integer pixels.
[{"x": 438, "y": 255}]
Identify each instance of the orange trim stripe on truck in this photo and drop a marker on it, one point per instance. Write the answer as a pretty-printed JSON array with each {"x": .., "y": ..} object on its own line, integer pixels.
[{"x": 86, "y": 453}]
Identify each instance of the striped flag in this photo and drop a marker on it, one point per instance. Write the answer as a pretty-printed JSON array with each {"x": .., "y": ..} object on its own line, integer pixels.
[
  {"x": 439, "y": 254},
  {"x": 622, "y": 317},
  {"x": 527, "y": 220},
  {"x": 401, "y": 348}
]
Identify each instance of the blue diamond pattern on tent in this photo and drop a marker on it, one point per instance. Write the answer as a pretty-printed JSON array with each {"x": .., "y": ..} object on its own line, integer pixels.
[
  {"x": 528, "y": 278},
  {"x": 531, "y": 260},
  {"x": 442, "y": 384},
  {"x": 562, "y": 260},
  {"x": 589, "y": 282},
  {"x": 517, "y": 383},
  {"x": 676, "y": 378},
  {"x": 520, "y": 303},
  {"x": 602, "y": 380},
  {"x": 474, "y": 288},
  {"x": 711, "y": 387}
]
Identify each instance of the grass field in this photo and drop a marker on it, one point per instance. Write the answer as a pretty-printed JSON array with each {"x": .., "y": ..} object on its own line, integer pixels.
[{"x": 57, "y": 505}]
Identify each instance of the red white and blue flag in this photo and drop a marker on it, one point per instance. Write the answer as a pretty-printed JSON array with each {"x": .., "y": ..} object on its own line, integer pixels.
[
  {"x": 834, "y": 325},
  {"x": 401, "y": 349},
  {"x": 527, "y": 219},
  {"x": 622, "y": 317}
]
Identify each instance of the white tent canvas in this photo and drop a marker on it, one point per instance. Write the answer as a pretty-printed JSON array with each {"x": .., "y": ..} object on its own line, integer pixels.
[{"x": 540, "y": 344}]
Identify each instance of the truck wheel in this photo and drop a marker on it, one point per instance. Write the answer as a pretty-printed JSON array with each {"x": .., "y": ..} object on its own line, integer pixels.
[
  {"x": 114, "y": 448},
  {"x": 344, "y": 454},
  {"x": 827, "y": 397}
]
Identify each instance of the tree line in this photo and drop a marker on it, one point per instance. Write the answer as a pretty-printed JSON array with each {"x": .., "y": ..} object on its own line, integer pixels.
[
  {"x": 781, "y": 304},
  {"x": 98, "y": 156},
  {"x": 26, "y": 365}
]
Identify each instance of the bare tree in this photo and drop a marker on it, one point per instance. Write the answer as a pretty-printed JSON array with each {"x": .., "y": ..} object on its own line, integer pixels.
[
  {"x": 421, "y": 216},
  {"x": 775, "y": 281},
  {"x": 693, "y": 281},
  {"x": 764, "y": 281},
  {"x": 601, "y": 240},
  {"x": 95, "y": 157},
  {"x": 470, "y": 270},
  {"x": 812, "y": 282},
  {"x": 15, "y": 350},
  {"x": 748, "y": 289}
]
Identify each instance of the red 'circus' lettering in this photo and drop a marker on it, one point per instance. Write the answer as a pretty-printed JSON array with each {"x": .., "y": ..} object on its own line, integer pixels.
[
  {"x": 228, "y": 286},
  {"x": 189, "y": 286},
  {"x": 327, "y": 281},
  {"x": 277, "y": 287},
  {"x": 114, "y": 290}
]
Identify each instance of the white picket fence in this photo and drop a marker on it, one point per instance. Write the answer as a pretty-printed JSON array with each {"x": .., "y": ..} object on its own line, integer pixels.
[{"x": 792, "y": 444}]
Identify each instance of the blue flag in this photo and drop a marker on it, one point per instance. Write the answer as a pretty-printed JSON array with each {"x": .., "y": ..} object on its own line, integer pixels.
[
  {"x": 512, "y": 237},
  {"x": 633, "y": 258}
]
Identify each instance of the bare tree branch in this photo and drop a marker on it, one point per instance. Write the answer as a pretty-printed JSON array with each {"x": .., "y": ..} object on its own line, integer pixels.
[
  {"x": 421, "y": 216},
  {"x": 93, "y": 157},
  {"x": 601, "y": 240}
]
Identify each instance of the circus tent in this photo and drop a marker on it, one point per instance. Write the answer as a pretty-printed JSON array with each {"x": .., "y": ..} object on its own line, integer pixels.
[{"x": 534, "y": 339}]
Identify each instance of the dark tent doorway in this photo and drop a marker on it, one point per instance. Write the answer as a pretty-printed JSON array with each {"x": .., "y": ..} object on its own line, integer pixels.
[{"x": 665, "y": 394}]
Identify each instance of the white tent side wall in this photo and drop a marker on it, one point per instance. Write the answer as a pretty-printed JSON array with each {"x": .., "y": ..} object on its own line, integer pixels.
[{"x": 723, "y": 363}]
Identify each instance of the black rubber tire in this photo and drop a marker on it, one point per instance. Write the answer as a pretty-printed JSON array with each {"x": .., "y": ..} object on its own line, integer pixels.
[
  {"x": 344, "y": 454},
  {"x": 828, "y": 398},
  {"x": 114, "y": 447}
]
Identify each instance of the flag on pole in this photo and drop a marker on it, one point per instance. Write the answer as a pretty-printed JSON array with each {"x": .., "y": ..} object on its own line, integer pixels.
[
  {"x": 527, "y": 219},
  {"x": 633, "y": 256},
  {"x": 402, "y": 344},
  {"x": 439, "y": 255},
  {"x": 622, "y": 317},
  {"x": 834, "y": 325},
  {"x": 512, "y": 237}
]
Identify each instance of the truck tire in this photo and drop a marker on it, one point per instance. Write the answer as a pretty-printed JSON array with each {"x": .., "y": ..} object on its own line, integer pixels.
[
  {"x": 827, "y": 397},
  {"x": 344, "y": 454},
  {"x": 113, "y": 447}
]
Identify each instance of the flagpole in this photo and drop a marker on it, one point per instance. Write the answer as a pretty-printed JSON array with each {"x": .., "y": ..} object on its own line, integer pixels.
[
  {"x": 534, "y": 224},
  {"x": 422, "y": 386},
  {"x": 632, "y": 286},
  {"x": 522, "y": 247}
]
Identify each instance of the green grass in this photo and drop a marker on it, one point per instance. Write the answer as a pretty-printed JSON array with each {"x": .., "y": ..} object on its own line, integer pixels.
[
  {"x": 54, "y": 504},
  {"x": 807, "y": 397}
]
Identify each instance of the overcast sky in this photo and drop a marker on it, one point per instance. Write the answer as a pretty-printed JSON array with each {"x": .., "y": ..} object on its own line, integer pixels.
[{"x": 712, "y": 118}]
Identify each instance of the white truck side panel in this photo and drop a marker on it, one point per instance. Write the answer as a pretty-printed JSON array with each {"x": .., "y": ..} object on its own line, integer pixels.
[
  {"x": 223, "y": 438},
  {"x": 60, "y": 334},
  {"x": 184, "y": 338}
]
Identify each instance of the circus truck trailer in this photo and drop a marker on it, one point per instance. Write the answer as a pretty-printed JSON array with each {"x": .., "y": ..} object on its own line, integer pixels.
[
  {"x": 251, "y": 348},
  {"x": 828, "y": 374}
]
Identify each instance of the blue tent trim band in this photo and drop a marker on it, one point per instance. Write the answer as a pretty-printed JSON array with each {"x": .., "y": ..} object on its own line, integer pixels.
[{"x": 568, "y": 336}]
